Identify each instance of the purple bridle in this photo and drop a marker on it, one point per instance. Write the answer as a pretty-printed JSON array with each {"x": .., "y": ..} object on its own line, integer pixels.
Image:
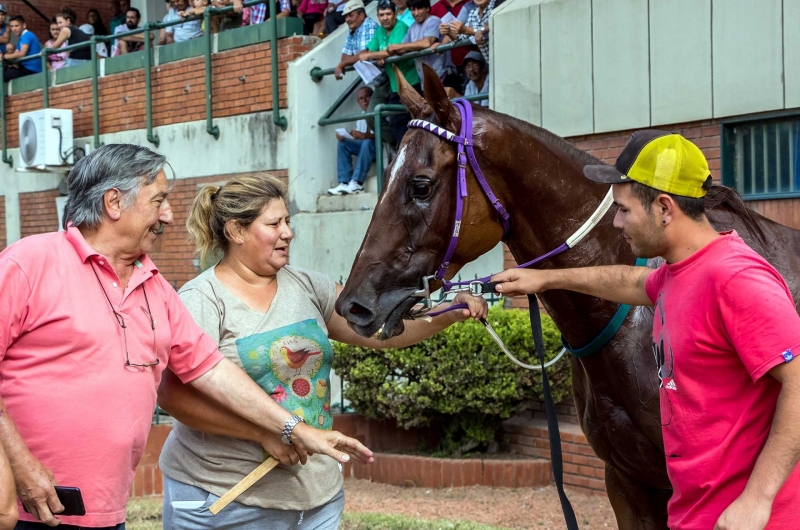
[{"x": 465, "y": 154}]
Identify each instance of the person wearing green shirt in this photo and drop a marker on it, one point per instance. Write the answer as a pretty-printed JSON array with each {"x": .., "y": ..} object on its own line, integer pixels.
[{"x": 392, "y": 31}]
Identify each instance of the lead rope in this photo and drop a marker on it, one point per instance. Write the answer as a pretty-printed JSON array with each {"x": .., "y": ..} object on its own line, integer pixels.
[{"x": 556, "y": 459}]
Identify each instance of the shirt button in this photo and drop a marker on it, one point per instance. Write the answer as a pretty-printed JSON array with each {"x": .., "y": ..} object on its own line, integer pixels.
[
  {"x": 114, "y": 284},
  {"x": 101, "y": 262}
]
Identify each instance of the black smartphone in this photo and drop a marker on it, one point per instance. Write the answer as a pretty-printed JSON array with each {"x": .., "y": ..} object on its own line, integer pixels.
[{"x": 70, "y": 498}]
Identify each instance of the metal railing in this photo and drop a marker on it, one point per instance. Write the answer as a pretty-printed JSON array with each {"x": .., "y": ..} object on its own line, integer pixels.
[
  {"x": 381, "y": 110},
  {"x": 148, "y": 27}
]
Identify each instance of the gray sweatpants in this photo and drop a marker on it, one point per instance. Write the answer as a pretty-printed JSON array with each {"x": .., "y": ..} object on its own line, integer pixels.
[{"x": 181, "y": 514}]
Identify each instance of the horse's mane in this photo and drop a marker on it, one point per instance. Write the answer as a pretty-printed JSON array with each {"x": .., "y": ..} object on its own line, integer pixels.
[
  {"x": 725, "y": 198},
  {"x": 552, "y": 140}
]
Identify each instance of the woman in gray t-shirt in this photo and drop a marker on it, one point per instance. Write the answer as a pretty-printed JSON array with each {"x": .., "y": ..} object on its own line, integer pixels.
[{"x": 274, "y": 321}]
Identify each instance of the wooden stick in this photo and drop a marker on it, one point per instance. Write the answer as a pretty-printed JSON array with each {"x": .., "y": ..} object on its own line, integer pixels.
[{"x": 243, "y": 485}]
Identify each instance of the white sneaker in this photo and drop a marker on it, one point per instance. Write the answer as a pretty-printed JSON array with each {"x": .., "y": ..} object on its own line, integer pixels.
[
  {"x": 353, "y": 187},
  {"x": 338, "y": 190}
]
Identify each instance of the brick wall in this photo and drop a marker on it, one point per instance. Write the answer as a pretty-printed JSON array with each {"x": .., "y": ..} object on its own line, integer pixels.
[
  {"x": 582, "y": 469},
  {"x": 50, "y": 7},
  {"x": 178, "y": 91},
  {"x": 37, "y": 213}
]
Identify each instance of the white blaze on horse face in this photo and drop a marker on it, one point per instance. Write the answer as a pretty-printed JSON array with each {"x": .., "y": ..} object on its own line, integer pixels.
[{"x": 398, "y": 163}]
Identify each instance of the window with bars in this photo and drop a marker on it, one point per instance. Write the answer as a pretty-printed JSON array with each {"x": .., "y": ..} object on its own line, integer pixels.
[{"x": 761, "y": 159}]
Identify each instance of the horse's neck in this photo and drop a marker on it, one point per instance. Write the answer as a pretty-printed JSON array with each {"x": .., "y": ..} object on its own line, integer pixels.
[{"x": 549, "y": 199}]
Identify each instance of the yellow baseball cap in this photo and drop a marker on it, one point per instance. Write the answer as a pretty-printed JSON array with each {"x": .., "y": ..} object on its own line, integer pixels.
[{"x": 664, "y": 161}]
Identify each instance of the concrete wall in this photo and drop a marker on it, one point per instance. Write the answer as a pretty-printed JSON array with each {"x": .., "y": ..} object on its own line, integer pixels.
[{"x": 591, "y": 66}]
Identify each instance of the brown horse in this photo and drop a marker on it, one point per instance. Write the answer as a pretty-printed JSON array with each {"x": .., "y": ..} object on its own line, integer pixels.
[{"x": 538, "y": 177}]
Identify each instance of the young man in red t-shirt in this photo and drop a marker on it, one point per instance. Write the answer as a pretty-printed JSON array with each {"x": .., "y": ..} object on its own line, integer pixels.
[{"x": 725, "y": 331}]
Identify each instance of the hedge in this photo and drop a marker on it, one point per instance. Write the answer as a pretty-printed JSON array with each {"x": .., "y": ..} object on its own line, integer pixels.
[{"x": 458, "y": 379}]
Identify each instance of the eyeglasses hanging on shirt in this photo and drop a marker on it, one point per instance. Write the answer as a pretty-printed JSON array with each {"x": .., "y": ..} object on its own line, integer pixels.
[{"x": 121, "y": 321}]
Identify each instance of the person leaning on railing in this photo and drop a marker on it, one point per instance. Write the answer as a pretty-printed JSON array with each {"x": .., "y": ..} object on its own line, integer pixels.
[
  {"x": 55, "y": 60},
  {"x": 70, "y": 35},
  {"x": 477, "y": 27},
  {"x": 362, "y": 29},
  {"x": 28, "y": 45},
  {"x": 131, "y": 43},
  {"x": 187, "y": 30},
  {"x": 424, "y": 34}
]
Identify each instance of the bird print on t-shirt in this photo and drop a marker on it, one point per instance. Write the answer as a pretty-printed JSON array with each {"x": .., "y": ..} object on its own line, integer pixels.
[{"x": 296, "y": 359}]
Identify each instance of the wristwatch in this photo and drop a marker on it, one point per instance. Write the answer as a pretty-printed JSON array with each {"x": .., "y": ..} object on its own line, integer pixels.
[{"x": 291, "y": 423}]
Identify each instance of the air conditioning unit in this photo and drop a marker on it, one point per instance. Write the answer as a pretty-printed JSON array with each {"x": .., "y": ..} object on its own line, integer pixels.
[{"x": 45, "y": 136}]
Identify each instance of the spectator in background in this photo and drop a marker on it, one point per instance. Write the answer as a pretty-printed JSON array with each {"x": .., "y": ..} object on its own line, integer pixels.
[
  {"x": 5, "y": 31},
  {"x": 117, "y": 15},
  {"x": 93, "y": 17},
  {"x": 102, "y": 51},
  {"x": 55, "y": 60},
  {"x": 28, "y": 45},
  {"x": 312, "y": 12},
  {"x": 392, "y": 31},
  {"x": 362, "y": 146},
  {"x": 478, "y": 75},
  {"x": 362, "y": 29},
  {"x": 70, "y": 35},
  {"x": 454, "y": 7},
  {"x": 259, "y": 12},
  {"x": 403, "y": 12},
  {"x": 131, "y": 43},
  {"x": 424, "y": 33},
  {"x": 187, "y": 30},
  {"x": 172, "y": 15},
  {"x": 229, "y": 19},
  {"x": 477, "y": 26},
  {"x": 334, "y": 16}
]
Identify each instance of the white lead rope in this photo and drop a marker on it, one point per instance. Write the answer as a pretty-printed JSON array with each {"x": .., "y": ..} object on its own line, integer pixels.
[
  {"x": 573, "y": 240},
  {"x": 516, "y": 361}
]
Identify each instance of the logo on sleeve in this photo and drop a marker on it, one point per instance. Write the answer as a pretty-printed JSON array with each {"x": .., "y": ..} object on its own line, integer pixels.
[{"x": 788, "y": 355}]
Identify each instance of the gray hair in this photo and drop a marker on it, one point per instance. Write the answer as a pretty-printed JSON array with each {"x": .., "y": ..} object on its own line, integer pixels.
[{"x": 125, "y": 167}]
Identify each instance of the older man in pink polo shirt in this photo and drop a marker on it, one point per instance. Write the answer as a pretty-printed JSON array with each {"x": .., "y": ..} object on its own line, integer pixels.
[{"x": 87, "y": 327}]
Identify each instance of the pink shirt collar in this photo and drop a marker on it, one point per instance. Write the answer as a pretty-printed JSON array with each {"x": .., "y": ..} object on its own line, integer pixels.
[{"x": 85, "y": 251}]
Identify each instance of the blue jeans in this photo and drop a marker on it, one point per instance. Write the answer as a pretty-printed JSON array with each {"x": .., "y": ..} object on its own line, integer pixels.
[
  {"x": 24, "y": 525},
  {"x": 364, "y": 150},
  {"x": 237, "y": 516}
]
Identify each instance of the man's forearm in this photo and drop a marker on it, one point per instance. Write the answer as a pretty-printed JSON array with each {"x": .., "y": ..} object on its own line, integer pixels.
[
  {"x": 8, "y": 497},
  {"x": 230, "y": 386},
  {"x": 376, "y": 56},
  {"x": 348, "y": 60},
  {"x": 618, "y": 283},
  {"x": 782, "y": 450},
  {"x": 189, "y": 406},
  {"x": 14, "y": 446}
]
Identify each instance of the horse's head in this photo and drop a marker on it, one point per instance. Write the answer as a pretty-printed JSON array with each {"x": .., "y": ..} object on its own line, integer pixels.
[{"x": 413, "y": 221}]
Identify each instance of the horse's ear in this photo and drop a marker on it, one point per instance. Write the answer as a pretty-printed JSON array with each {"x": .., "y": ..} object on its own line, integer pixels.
[
  {"x": 436, "y": 95},
  {"x": 416, "y": 104}
]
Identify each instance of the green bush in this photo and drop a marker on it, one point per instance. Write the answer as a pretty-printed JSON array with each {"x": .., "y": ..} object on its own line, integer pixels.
[{"x": 458, "y": 379}]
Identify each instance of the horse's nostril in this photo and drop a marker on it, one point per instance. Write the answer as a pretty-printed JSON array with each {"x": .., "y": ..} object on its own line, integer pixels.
[{"x": 359, "y": 310}]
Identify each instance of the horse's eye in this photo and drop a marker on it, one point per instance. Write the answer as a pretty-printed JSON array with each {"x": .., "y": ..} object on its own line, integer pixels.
[{"x": 422, "y": 189}]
